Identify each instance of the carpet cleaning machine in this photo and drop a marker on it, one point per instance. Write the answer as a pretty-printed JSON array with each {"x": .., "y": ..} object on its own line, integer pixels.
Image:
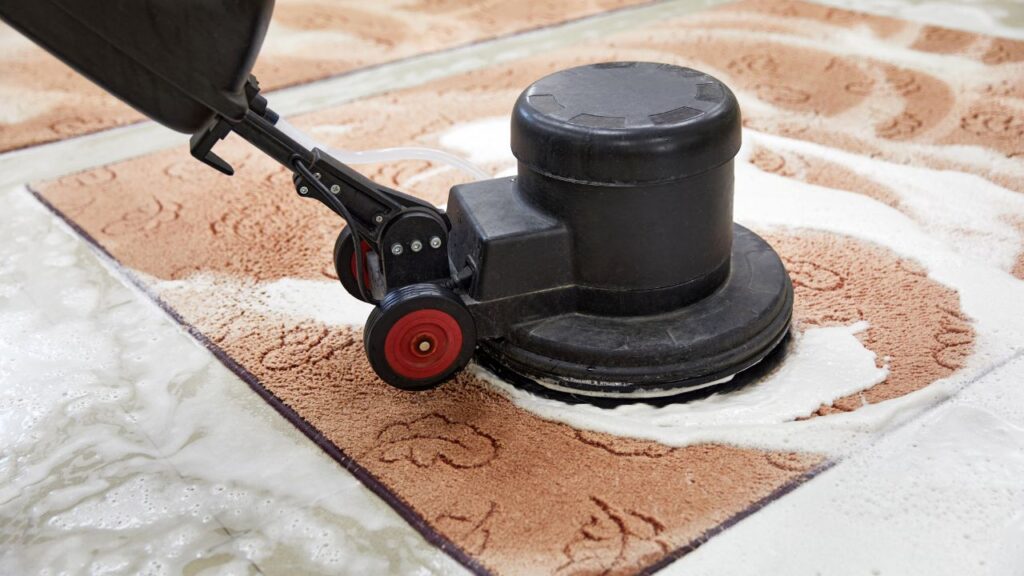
[{"x": 608, "y": 267}]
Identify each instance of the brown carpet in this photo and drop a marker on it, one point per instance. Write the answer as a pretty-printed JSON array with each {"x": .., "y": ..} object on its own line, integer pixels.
[
  {"x": 308, "y": 40},
  {"x": 503, "y": 490}
]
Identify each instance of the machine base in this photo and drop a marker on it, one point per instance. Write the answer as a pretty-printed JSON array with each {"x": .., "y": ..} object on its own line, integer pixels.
[{"x": 639, "y": 358}]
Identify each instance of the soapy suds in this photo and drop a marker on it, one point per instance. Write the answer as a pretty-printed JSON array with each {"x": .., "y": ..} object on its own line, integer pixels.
[
  {"x": 992, "y": 298},
  {"x": 381, "y": 155},
  {"x": 823, "y": 365},
  {"x": 298, "y": 299},
  {"x": 484, "y": 141},
  {"x": 979, "y": 17},
  {"x": 927, "y": 195},
  {"x": 17, "y": 109}
]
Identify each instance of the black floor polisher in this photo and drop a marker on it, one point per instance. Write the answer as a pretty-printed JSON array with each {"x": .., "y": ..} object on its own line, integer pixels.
[{"x": 608, "y": 267}]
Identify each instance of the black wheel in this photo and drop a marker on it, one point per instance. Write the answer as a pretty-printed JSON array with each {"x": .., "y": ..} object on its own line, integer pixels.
[
  {"x": 419, "y": 336},
  {"x": 345, "y": 265}
]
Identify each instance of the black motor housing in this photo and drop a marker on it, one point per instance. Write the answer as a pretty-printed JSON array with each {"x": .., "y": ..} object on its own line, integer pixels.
[
  {"x": 610, "y": 265},
  {"x": 634, "y": 158}
]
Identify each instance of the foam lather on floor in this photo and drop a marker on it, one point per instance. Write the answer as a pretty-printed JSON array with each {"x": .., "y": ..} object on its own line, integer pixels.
[
  {"x": 308, "y": 40},
  {"x": 900, "y": 243}
]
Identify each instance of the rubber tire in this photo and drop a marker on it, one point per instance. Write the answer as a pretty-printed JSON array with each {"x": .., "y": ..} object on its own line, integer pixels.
[
  {"x": 344, "y": 251},
  {"x": 402, "y": 302}
]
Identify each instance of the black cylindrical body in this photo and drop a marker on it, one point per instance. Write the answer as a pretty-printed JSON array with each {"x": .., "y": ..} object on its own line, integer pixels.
[{"x": 636, "y": 159}]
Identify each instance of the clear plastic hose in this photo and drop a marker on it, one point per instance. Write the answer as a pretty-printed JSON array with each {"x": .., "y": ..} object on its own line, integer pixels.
[{"x": 384, "y": 155}]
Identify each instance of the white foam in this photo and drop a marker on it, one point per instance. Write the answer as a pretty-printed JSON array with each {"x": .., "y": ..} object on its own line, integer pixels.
[
  {"x": 982, "y": 17},
  {"x": 17, "y": 108},
  {"x": 936, "y": 197},
  {"x": 325, "y": 301},
  {"x": 824, "y": 364},
  {"x": 849, "y": 42},
  {"x": 991, "y": 297},
  {"x": 484, "y": 140}
]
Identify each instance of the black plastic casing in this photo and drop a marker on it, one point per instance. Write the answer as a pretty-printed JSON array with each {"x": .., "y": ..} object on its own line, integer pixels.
[
  {"x": 610, "y": 266},
  {"x": 624, "y": 192},
  {"x": 180, "y": 62},
  {"x": 625, "y": 123}
]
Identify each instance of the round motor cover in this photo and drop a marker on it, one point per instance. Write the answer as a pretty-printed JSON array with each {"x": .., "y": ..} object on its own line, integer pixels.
[
  {"x": 635, "y": 161},
  {"x": 625, "y": 122}
]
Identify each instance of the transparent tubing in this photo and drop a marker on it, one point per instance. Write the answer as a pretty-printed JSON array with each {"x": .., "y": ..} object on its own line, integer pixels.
[{"x": 384, "y": 155}]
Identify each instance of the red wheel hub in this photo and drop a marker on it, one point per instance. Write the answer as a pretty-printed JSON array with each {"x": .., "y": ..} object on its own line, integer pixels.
[
  {"x": 423, "y": 344},
  {"x": 365, "y": 247}
]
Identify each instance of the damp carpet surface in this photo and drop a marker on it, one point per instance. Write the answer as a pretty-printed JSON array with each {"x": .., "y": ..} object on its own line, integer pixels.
[{"x": 846, "y": 108}]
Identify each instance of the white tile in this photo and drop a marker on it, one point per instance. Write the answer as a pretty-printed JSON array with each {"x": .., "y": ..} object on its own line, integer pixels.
[{"x": 942, "y": 495}]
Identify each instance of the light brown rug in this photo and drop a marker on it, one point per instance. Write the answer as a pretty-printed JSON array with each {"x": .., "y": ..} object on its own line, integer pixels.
[
  {"x": 308, "y": 40},
  {"x": 503, "y": 490}
]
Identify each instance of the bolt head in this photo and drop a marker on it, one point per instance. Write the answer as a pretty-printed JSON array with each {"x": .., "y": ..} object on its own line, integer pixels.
[
  {"x": 303, "y": 190},
  {"x": 416, "y": 245},
  {"x": 396, "y": 248},
  {"x": 378, "y": 218},
  {"x": 335, "y": 188},
  {"x": 435, "y": 242}
]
